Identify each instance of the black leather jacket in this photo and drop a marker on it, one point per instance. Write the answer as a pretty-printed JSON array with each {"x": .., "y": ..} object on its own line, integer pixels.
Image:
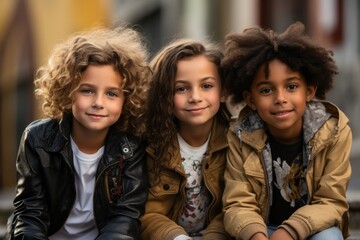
[{"x": 45, "y": 192}]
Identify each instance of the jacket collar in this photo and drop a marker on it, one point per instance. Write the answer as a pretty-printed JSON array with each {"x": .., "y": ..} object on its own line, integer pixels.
[
  {"x": 114, "y": 139},
  {"x": 250, "y": 128},
  {"x": 217, "y": 142},
  {"x": 65, "y": 125}
]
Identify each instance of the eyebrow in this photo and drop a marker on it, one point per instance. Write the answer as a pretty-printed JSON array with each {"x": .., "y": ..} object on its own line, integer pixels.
[
  {"x": 202, "y": 79},
  {"x": 287, "y": 79},
  {"x": 94, "y": 86}
]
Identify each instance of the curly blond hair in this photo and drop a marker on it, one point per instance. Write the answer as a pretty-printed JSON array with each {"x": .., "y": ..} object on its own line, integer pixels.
[{"x": 121, "y": 47}]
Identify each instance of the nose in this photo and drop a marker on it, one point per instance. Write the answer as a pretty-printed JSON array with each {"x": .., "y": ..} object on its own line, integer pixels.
[
  {"x": 280, "y": 97},
  {"x": 195, "y": 95},
  {"x": 98, "y": 102}
]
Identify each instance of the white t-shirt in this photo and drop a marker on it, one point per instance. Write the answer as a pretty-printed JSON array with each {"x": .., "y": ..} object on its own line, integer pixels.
[
  {"x": 193, "y": 216},
  {"x": 80, "y": 224}
]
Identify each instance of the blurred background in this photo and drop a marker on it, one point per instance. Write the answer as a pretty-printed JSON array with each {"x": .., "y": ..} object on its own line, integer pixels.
[{"x": 29, "y": 30}]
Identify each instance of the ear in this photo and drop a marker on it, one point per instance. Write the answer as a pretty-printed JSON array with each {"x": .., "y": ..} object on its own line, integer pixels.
[
  {"x": 310, "y": 93},
  {"x": 249, "y": 100}
]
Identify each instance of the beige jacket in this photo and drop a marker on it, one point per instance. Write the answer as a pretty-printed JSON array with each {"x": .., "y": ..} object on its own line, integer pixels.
[
  {"x": 247, "y": 191},
  {"x": 167, "y": 197}
]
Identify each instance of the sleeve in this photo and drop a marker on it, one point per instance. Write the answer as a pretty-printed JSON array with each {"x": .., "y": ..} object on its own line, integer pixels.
[
  {"x": 123, "y": 221},
  {"x": 30, "y": 218},
  {"x": 330, "y": 175},
  {"x": 216, "y": 229},
  {"x": 244, "y": 186},
  {"x": 155, "y": 224}
]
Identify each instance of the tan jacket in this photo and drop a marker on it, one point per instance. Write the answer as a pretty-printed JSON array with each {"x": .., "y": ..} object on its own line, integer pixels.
[
  {"x": 167, "y": 197},
  {"x": 247, "y": 191}
]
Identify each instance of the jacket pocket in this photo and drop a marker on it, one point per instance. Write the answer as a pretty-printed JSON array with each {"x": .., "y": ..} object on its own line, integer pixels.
[
  {"x": 166, "y": 184},
  {"x": 113, "y": 183},
  {"x": 254, "y": 168},
  {"x": 254, "y": 171}
]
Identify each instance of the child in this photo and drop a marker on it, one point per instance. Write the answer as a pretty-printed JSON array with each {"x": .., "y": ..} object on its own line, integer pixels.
[
  {"x": 288, "y": 161},
  {"x": 187, "y": 136},
  {"x": 81, "y": 172}
]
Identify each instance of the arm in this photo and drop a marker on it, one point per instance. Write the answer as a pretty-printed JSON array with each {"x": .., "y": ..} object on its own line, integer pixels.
[
  {"x": 281, "y": 234},
  {"x": 123, "y": 220},
  {"x": 216, "y": 230},
  {"x": 155, "y": 224},
  {"x": 31, "y": 220},
  {"x": 245, "y": 191},
  {"x": 329, "y": 175},
  {"x": 163, "y": 194}
]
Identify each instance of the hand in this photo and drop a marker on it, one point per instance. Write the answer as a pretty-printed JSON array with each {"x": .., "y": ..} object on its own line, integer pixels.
[
  {"x": 281, "y": 234},
  {"x": 183, "y": 237},
  {"x": 258, "y": 236}
]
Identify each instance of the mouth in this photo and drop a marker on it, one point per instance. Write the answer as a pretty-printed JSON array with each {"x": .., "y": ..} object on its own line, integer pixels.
[
  {"x": 96, "y": 116},
  {"x": 283, "y": 113},
  {"x": 196, "y": 110}
]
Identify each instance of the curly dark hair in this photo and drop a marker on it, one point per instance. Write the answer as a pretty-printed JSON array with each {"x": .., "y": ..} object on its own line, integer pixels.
[
  {"x": 162, "y": 123},
  {"x": 245, "y": 52},
  {"x": 122, "y": 47}
]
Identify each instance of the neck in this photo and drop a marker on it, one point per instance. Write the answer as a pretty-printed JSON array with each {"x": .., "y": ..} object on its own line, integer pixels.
[
  {"x": 87, "y": 141},
  {"x": 195, "y": 136}
]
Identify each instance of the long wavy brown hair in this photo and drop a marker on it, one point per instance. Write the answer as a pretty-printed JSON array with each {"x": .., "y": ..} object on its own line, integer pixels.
[
  {"x": 161, "y": 123},
  {"x": 122, "y": 47},
  {"x": 245, "y": 52}
]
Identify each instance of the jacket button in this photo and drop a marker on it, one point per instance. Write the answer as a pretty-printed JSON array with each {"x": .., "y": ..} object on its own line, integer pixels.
[{"x": 166, "y": 187}]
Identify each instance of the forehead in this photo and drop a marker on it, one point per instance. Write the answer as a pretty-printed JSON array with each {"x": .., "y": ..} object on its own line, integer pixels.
[
  {"x": 275, "y": 69},
  {"x": 102, "y": 75},
  {"x": 196, "y": 67}
]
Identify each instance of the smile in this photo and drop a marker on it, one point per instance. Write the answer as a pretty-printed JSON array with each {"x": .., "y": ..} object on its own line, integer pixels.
[
  {"x": 95, "y": 116},
  {"x": 196, "y": 110},
  {"x": 282, "y": 113}
]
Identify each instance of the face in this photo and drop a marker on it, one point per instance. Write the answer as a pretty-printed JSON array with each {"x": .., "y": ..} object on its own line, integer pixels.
[
  {"x": 280, "y": 100},
  {"x": 99, "y": 99},
  {"x": 197, "y": 92}
]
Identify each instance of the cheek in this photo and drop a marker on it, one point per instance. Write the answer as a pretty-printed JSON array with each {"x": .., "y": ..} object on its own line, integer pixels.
[
  {"x": 217, "y": 99},
  {"x": 260, "y": 105},
  {"x": 79, "y": 103},
  {"x": 117, "y": 107},
  {"x": 178, "y": 102}
]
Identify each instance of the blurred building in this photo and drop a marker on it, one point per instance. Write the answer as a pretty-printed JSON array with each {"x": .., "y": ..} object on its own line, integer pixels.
[{"x": 29, "y": 29}]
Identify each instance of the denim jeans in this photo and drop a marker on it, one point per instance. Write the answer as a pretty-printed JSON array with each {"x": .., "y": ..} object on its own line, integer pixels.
[{"x": 332, "y": 233}]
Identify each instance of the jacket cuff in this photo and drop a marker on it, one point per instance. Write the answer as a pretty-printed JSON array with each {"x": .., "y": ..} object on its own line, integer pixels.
[
  {"x": 297, "y": 228},
  {"x": 250, "y": 230},
  {"x": 173, "y": 233},
  {"x": 216, "y": 236}
]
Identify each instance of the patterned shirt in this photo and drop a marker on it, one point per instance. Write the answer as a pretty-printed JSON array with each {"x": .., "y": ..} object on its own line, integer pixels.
[{"x": 194, "y": 213}]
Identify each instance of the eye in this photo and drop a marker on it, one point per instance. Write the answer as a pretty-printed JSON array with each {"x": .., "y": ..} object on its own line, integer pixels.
[
  {"x": 181, "y": 89},
  {"x": 87, "y": 91},
  {"x": 265, "y": 91},
  {"x": 207, "y": 86},
  {"x": 112, "y": 94},
  {"x": 292, "y": 87}
]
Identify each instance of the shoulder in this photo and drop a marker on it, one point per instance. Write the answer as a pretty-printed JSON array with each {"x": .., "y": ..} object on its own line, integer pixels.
[
  {"x": 41, "y": 124},
  {"x": 44, "y": 133},
  {"x": 335, "y": 126},
  {"x": 41, "y": 128},
  {"x": 337, "y": 118}
]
